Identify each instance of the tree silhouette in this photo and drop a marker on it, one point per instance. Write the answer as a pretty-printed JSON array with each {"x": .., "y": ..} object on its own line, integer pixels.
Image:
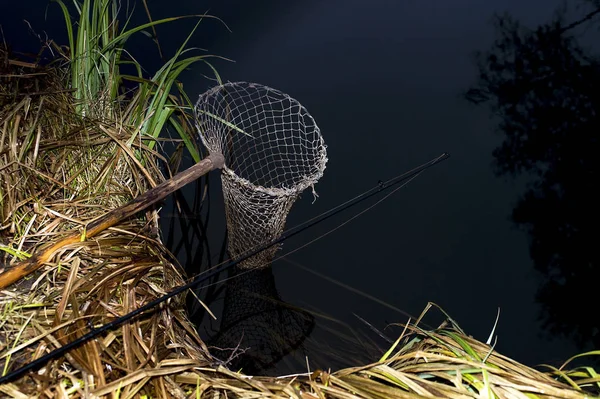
[{"x": 545, "y": 90}]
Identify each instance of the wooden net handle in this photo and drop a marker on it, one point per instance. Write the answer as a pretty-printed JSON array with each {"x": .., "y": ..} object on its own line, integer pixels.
[{"x": 23, "y": 268}]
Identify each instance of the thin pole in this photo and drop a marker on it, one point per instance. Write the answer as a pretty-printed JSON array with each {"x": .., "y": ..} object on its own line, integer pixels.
[{"x": 382, "y": 186}]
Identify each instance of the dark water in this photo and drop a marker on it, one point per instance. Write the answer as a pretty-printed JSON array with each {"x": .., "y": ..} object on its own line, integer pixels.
[{"x": 385, "y": 82}]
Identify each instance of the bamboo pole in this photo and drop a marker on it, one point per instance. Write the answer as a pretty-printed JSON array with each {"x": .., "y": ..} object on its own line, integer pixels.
[{"x": 28, "y": 266}]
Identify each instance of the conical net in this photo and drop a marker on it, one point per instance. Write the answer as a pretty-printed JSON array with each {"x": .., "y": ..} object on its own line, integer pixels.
[{"x": 273, "y": 150}]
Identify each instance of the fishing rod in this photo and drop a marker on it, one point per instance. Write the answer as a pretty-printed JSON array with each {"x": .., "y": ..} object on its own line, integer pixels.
[{"x": 94, "y": 332}]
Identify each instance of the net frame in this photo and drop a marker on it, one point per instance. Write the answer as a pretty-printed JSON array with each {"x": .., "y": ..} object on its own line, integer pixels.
[{"x": 273, "y": 150}]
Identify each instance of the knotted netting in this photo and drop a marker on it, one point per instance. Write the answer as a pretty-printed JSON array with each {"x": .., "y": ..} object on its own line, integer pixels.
[{"x": 273, "y": 150}]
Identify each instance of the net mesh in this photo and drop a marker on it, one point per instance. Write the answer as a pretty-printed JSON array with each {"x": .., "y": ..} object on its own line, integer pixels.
[{"x": 273, "y": 150}]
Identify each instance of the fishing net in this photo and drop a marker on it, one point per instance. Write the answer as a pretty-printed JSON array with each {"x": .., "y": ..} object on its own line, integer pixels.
[{"x": 273, "y": 150}]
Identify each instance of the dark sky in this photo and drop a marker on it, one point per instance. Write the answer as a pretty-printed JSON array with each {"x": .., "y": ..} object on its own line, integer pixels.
[{"x": 383, "y": 80}]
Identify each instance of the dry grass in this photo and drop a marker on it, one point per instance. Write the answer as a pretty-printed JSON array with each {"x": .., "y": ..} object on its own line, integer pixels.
[{"x": 57, "y": 173}]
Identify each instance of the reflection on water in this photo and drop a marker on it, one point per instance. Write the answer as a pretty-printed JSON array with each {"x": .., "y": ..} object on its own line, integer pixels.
[
  {"x": 546, "y": 88},
  {"x": 257, "y": 329},
  {"x": 261, "y": 334}
]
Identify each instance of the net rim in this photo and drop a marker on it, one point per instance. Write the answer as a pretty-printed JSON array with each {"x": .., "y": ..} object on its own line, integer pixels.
[{"x": 306, "y": 180}]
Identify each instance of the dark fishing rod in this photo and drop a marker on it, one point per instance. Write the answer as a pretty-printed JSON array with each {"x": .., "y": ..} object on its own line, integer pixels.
[{"x": 94, "y": 332}]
